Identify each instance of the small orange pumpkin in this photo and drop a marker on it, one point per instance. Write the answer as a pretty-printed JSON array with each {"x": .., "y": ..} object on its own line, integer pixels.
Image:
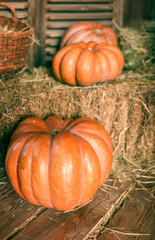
[
  {"x": 84, "y": 64},
  {"x": 56, "y": 163},
  {"x": 89, "y": 31}
]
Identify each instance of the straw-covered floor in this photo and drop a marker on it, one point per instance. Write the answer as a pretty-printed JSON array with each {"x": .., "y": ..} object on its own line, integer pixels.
[{"x": 123, "y": 106}]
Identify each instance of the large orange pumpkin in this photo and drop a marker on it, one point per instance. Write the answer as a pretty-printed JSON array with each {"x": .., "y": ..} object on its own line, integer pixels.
[
  {"x": 87, "y": 63},
  {"x": 56, "y": 163},
  {"x": 89, "y": 31}
]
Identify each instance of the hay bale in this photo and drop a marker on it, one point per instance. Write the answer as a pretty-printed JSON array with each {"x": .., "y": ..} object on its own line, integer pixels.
[
  {"x": 124, "y": 107},
  {"x": 137, "y": 44}
]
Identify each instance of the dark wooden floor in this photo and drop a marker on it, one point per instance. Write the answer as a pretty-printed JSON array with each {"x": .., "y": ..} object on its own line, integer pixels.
[{"x": 119, "y": 210}]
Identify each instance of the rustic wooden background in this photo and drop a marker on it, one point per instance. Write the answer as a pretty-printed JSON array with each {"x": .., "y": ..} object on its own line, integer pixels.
[{"x": 51, "y": 18}]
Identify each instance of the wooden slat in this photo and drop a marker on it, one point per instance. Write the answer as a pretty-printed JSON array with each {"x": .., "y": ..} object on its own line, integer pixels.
[
  {"x": 79, "y": 15},
  {"x": 136, "y": 217},
  {"x": 20, "y": 14},
  {"x": 67, "y": 24},
  {"x": 55, "y": 33},
  {"x": 11, "y": 1},
  {"x": 50, "y": 50},
  {"x": 79, "y": 7},
  {"x": 14, "y": 212},
  {"x": 48, "y": 59},
  {"x": 17, "y": 5},
  {"x": 77, "y": 224},
  {"x": 119, "y": 12},
  {"x": 36, "y": 21},
  {"x": 42, "y": 32},
  {"x": 52, "y": 41},
  {"x": 80, "y": 1},
  {"x": 59, "y": 24}
]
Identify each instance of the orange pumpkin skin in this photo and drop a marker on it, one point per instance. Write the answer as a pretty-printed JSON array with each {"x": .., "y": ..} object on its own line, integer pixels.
[
  {"x": 56, "y": 163},
  {"x": 89, "y": 31},
  {"x": 85, "y": 64}
]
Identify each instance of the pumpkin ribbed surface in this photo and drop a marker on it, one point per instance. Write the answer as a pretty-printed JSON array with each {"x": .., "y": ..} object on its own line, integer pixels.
[
  {"x": 84, "y": 64},
  {"x": 56, "y": 163},
  {"x": 89, "y": 31}
]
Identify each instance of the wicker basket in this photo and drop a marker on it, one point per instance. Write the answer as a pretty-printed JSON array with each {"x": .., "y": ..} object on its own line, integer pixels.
[{"x": 14, "y": 44}]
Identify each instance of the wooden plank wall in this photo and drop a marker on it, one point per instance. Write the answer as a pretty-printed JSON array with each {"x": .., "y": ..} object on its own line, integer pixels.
[{"x": 51, "y": 18}]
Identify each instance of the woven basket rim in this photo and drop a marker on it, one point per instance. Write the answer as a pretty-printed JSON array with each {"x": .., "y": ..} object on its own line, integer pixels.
[{"x": 28, "y": 28}]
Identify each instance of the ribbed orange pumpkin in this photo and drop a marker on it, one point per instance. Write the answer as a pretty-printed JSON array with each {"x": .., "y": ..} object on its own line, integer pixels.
[
  {"x": 84, "y": 64},
  {"x": 56, "y": 163},
  {"x": 89, "y": 31}
]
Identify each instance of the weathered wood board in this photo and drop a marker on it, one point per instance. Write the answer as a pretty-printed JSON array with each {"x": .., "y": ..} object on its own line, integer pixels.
[
  {"x": 119, "y": 210},
  {"x": 22, "y": 220},
  {"x": 136, "y": 219}
]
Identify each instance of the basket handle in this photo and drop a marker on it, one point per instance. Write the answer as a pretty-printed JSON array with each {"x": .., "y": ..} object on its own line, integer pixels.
[{"x": 11, "y": 8}]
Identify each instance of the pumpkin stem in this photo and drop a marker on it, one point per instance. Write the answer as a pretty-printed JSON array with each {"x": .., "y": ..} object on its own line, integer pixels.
[
  {"x": 54, "y": 132},
  {"x": 91, "y": 50},
  {"x": 97, "y": 31}
]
